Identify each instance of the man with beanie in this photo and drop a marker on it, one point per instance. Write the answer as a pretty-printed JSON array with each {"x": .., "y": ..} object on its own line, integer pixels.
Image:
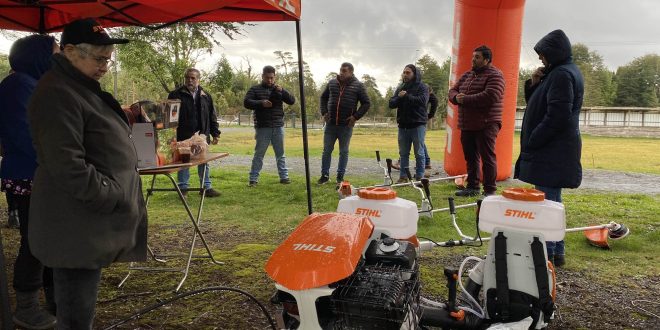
[
  {"x": 87, "y": 209},
  {"x": 266, "y": 99},
  {"x": 410, "y": 100},
  {"x": 30, "y": 58},
  {"x": 550, "y": 142},
  {"x": 339, "y": 108},
  {"x": 478, "y": 94}
]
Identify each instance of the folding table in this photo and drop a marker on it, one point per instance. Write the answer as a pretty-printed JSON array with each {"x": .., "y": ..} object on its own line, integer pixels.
[{"x": 167, "y": 171}]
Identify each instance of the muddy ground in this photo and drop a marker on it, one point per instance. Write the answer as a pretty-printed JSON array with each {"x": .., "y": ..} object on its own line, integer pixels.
[{"x": 581, "y": 302}]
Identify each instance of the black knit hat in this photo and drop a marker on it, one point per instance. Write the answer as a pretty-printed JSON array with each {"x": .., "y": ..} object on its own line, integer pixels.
[{"x": 88, "y": 31}]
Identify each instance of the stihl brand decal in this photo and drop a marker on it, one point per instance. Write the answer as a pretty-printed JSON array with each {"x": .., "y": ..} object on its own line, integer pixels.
[
  {"x": 519, "y": 214},
  {"x": 313, "y": 247},
  {"x": 367, "y": 212}
]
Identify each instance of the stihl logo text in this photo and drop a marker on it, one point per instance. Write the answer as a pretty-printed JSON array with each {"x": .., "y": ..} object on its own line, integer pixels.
[
  {"x": 367, "y": 212},
  {"x": 313, "y": 247},
  {"x": 519, "y": 214}
]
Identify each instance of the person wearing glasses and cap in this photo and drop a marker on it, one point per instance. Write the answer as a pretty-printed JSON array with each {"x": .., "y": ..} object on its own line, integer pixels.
[{"x": 87, "y": 209}]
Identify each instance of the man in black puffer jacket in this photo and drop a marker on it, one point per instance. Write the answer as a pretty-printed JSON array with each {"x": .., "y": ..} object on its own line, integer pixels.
[
  {"x": 550, "y": 143},
  {"x": 266, "y": 100},
  {"x": 340, "y": 111},
  {"x": 410, "y": 99}
]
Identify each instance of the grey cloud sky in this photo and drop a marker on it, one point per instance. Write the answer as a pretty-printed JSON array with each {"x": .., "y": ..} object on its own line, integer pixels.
[{"x": 380, "y": 37}]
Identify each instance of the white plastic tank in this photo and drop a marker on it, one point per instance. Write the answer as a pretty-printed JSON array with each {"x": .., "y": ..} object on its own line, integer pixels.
[
  {"x": 526, "y": 210},
  {"x": 396, "y": 217}
]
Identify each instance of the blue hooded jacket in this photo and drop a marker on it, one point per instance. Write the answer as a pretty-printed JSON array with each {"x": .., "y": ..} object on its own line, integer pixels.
[
  {"x": 29, "y": 58},
  {"x": 550, "y": 143},
  {"x": 411, "y": 110}
]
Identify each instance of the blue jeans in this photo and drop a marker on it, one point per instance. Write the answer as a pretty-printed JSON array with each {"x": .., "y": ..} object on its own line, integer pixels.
[
  {"x": 553, "y": 194},
  {"x": 427, "y": 157},
  {"x": 183, "y": 177},
  {"x": 414, "y": 136},
  {"x": 264, "y": 136},
  {"x": 76, "y": 291},
  {"x": 331, "y": 134}
]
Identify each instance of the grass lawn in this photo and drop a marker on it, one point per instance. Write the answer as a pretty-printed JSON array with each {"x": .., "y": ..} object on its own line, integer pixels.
[
  {"x": 640, "y": 155},
  {"x": 244, "y": 225}
]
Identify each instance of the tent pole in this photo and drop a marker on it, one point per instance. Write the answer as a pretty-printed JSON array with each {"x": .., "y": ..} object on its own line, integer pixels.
[{"x": 303, "y": 115}]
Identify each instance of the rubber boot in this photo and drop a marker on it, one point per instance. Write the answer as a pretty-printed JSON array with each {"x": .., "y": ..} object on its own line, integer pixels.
[{"x": 29, "y": 313}]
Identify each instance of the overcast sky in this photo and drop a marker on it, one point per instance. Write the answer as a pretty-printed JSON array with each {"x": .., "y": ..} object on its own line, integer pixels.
[{"x": 380, "y": 36}]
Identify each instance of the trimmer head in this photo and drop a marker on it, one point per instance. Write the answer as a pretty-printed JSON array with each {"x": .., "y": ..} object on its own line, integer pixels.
[{"x": 614, "y": 231}]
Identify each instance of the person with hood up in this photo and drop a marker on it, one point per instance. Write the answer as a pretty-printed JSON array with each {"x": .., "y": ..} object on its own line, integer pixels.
[
  {"x": 29, "y": 58},
  {"x": 550, "y": 143},
  {"x": 339, "y": 108},
  {"x": 87, "y": 208},
  {"x": 410, "y": 100},
  {"x": 478, "y": 94}
]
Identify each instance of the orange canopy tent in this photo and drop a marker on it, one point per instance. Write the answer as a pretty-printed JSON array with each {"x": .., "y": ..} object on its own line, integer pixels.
[{"x": 47, "y": 16}]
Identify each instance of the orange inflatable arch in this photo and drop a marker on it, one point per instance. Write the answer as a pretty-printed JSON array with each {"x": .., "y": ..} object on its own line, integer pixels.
[{"x": 497, "y": 24}]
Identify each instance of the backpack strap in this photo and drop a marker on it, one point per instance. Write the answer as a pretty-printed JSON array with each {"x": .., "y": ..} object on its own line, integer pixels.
[
  {"x": 541, "y": 271},
  {"x": 501, "y": 277}
]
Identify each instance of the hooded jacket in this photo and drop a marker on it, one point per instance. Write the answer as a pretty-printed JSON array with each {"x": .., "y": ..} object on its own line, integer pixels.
[
  {"x": 267, "y": 117},
  {"x": 411, "y": 108},
  {"x": 340, "y": 99},
  {"x": 550, "y": 143},
  {"x": 29, "y": 59},
  {"x": 87, "y": 208},
  {"x": 484, "y": 90}
]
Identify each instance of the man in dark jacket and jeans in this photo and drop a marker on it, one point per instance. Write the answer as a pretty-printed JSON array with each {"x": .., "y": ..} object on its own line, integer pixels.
[
  {"x": 410, "y": 99},
  {"x": 478, "y": 94},
  {"x": 550, "y": 143},
  {"x": 197, "y": 114},
  {"x": 339, "y": 109},
  {"x": 266, "y": 99}
]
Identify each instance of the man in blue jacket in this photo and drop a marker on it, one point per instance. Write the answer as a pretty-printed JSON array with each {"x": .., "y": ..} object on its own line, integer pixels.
[
  {"x": 410, "y": 100},
  {"x": 266, "y": 99},
  {"x": 339, "y": 108},
  {"x": 550, "y": 143}
]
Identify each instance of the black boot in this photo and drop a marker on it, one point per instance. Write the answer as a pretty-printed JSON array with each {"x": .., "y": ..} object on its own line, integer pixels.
[{"x": 29, "y": 313}]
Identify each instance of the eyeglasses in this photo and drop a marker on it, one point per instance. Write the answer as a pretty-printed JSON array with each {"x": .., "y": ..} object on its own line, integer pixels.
[{"x": 100, "y": 60}]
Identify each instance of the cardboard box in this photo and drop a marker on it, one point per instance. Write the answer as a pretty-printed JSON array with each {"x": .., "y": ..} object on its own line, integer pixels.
[{"x": 144, "y": 138}]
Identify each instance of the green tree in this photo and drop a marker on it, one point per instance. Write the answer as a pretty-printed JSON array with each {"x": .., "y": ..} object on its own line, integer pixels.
[
  {"x": 437, "y": 77},
  {"x": 638, "y": 83},
  {"x": 4, "y": 66},
  {"x": 598, "y": 81},
  {"x": 160, "y": 57},
  {"x": 378, "y": 106}
]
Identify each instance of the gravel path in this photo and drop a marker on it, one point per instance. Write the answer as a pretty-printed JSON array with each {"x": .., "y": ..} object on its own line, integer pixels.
[{"x": 600, "y": 180}]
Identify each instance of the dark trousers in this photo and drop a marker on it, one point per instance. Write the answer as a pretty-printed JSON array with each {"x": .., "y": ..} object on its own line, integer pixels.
[
  {"x": 479, "y": 147},
  {"x": 76, "y": 291},
  {"x": 29, "y": 274}
]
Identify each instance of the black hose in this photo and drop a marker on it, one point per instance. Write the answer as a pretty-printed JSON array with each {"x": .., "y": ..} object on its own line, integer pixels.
[{"x": 194, "y": 292}]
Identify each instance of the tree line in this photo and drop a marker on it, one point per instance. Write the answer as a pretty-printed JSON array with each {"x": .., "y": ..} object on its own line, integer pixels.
[{"x": 152, "y": 64}]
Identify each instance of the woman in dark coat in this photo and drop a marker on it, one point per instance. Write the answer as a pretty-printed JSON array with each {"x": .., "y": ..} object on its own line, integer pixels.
[
  {"x": 550, "y": 143},
  {"x": 29, "y": 58}
]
